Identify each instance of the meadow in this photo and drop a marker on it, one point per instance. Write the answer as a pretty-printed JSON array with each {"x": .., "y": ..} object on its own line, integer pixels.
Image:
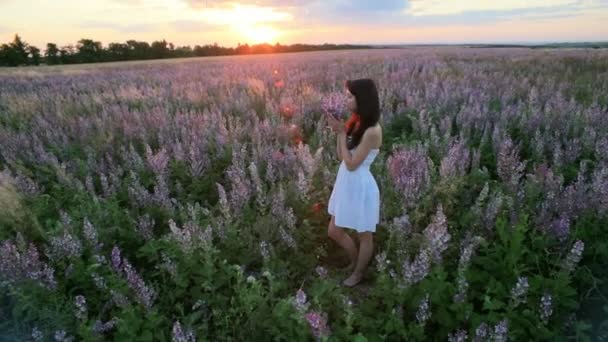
[{"x": 185, "y": 200}]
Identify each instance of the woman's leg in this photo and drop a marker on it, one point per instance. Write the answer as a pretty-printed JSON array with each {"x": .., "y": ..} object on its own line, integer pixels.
[
  {"x": 343, "y": 239},
  {"x": 366, "y": 249}
]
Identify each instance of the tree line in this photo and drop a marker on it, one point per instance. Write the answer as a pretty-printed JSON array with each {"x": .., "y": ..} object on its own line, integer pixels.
[{"x": 18, "y": 52}]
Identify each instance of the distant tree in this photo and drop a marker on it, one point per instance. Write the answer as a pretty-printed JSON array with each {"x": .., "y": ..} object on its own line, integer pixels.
[
  {"x": 34, "y": 54},
  {"x": 19, "y": 48},
  {"x": 51, "y": 55},
  {"x": 159, "y": 49},
  {"x": 89, "y": 51},
  {"x": 118, "y": 51},
  {"x": 67, "y": 53}
]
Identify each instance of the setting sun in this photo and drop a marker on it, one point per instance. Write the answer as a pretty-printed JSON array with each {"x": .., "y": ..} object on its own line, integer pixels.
[{"x": 259, "y": 34}]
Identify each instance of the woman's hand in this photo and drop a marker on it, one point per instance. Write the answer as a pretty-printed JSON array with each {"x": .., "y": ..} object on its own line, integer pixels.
[{"x": 335, "y": 124}]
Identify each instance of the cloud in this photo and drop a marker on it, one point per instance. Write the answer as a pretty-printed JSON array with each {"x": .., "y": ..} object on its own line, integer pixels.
[
  {"x": 132, "y": 28},
  {"x": 258, "y": 3},
  {"x": 442, "y": 7},
  {"x": 191, "y": 26}
]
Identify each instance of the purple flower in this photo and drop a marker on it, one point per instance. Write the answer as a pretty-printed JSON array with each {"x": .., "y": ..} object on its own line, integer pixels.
[
  {"x": 501, "y": 331},
  {"x": 409, "y": 169},
  {"x": 116, "y": 259},
  {"x": 321, "y": 272},
  {"x": 518, "y": 293},
  {"x": 508, "y": 165},
  {"x": 436, "y": 234},
  {"x": 287, "y": 238},
  {"x": 574, "y": 256},
  {"x": 336, "y": 103},
  {"x": 157, "y": 162},
  {"x": 144, "y": 294},
  {"x": 257, "y": 182},
  {"x": 300, "y": 301},
  {"x": 560, "y": 228},
  {"x": 37, "y": 335},
  {"x": 546, "y": 307},
  {"x": 65, "y": 246},
  {"x": 318, "y": 324},
  {"x": 455, "y": 163},
  {"x": 99, "y": 327},
  {"x": 179, "y": 335},
  {"x": 80, "y": 304},
  {"x": 264, "y": 250},
  {"x": 482, "y": 333},
  {"x": 20, "y": 264},
  {"x": 458, "y": 336},
  {"x": 418, "y": 270},
  {"x": 144, "y": 226},
  {"x": 423, "y": 314},
  {"x": 224, "y": 207}
]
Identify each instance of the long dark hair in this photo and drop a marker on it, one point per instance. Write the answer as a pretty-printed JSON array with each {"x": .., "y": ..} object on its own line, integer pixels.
[{"x": 368, "y": 108}]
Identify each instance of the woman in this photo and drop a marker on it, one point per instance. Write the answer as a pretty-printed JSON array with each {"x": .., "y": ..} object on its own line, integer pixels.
[{"x": 355, "y": 199}]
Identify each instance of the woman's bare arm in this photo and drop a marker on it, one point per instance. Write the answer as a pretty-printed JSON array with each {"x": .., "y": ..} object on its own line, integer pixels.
[{"x": 368, "y": 141}]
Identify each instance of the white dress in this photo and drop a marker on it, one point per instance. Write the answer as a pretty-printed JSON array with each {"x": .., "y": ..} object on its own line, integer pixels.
[{"x": 355, "y": 199}]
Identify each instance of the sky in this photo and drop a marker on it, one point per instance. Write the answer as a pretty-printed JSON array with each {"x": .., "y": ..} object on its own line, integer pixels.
[{"x": 228, "y": 23}]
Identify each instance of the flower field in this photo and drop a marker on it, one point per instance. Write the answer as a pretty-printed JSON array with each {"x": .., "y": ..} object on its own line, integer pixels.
[{"x": 185, "y": 200}]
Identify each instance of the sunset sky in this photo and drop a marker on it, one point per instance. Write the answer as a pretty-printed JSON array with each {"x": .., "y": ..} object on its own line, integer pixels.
[{"x": 190, "y": 22}]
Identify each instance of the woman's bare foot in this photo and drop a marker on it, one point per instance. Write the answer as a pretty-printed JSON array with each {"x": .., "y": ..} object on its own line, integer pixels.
[{"x": 353, "y": 280}]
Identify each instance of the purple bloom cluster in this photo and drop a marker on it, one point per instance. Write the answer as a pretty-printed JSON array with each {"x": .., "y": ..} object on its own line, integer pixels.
[
  {"x": 410, "y": 170},
  {"x": 318, "y": 324},
  {"x": 80, "y": 304},
  {"x": 519, "y": 291},
  {"x": 574, "y": 256},
  {"x": 144, "y": 294},
  {"x": 19, "y": 264},
  {"x": 179, "y": 335},
  {"x": 437, "y": 236},
  {"x": 336, "y": 104},
  {"x": 423, "y": 314}
]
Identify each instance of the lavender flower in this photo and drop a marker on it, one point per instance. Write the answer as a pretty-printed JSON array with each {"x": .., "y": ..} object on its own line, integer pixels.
[
  {"x": 287, "y": 238},
  {"x": 437, "y": 235},
  {"x": 224, "y": 207},
  {"x": 574, "y": 256},
  {"x": 410, "y": 171},
  {"x": 179, "y": 335},
  {"x": 518, "y": 293},
  {"x": 321, "y": 272},
  {"x": 257, "y": 182},
  {"x": 508, "y": 165},
  {"x": 116, "y": 259},
  {"x": 37, "y": 335},
  {"x": 264, "y": 250},
  {"x": 100, "y": 327},
  {"x": 458, "y": 336},
  {"x": 482, "y": 333},
  {"x": 144, "y": 294},
  {"x": 18, "y": 265},
  {"x": 501, "y": 331},
  {"x": 318, "y": 324},
  {"x": 144, "y": 226},
  {"x": 560, "y": 228},
  {"x": 454, "y": 164},
  {"x": 418, "y": 270},
  {"x": 80, "y": 304},
  {"x": 300, "y": 302},
  {"x": 423, "y": 314},
  {"x": 62, "y": 336},
  {"x": 336, "y": 103},
  {"x": 65, "y": 246},
  {"x": 546, "y": 307},
  {"x": 303, "y": 186}
]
